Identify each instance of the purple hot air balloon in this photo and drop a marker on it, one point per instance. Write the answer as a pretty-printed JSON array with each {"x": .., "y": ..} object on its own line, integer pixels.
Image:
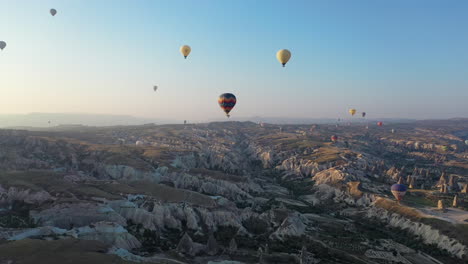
[{"x": 398, "y": 190}]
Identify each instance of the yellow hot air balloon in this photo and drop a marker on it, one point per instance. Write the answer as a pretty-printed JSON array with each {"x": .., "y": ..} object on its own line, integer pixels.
[
  {"x": 352, "y": 111},
  {"x": 283, "y": 56},
  {"x": 185, "y": 50}
]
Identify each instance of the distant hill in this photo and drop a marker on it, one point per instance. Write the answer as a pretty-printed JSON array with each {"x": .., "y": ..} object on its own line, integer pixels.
[
  {"x": 73, "y": 119},
  {"x": 286, "y": 120}
]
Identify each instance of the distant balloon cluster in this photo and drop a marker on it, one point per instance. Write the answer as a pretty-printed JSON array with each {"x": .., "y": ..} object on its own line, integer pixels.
[{"x": 353, "y": 111}]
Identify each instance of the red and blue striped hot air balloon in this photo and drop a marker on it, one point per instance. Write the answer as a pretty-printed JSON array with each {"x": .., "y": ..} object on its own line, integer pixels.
[
  {"x": 398, "y": 190},
  {"x": 227, "y": 101}
]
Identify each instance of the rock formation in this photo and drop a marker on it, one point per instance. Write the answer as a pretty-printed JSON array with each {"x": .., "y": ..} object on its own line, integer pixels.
[
  {"x": 440, "y": 205},
  {"x": 232, "y": 246},
  {"x": 211, "y": 245},
  {"x": 186, "y": 245},
  {"x": 452, "y": 183},
  {"x": 465, "y": 188},
  {"x": 442, "y": 181}
]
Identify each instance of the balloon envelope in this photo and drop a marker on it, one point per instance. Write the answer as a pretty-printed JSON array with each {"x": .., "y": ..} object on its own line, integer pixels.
[
  {"x": 283, "y": 56},
  {"x": 227, "y": 101},
  {"x": 185, "y": 50},
  {"x": 53, "y": 12},
  {"x": 155, "y": 88},
  {"x": 380, "y": 123},
  {"x": 466, "y": 142},
  {"x": 363, "y": 114},
  {"x": 2, "y": 45},
  {"x": 334, "y": 138},
  {"x": 352, "y": 111},
  {"x": 398, "y": 190}
]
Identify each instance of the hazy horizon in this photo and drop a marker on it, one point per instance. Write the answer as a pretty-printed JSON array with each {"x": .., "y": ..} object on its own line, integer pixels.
[
  {"x": 89, "y": 119},
  {"x": 393, "y": 59}
]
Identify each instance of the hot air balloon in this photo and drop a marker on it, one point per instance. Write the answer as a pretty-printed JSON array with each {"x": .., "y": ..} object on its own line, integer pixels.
[
  {"x": 53, "y": 12},
  {"x": 466, "y": 142},
  {"x": 227, "y": 101},
  {"x": 283, "y": 56},
  {"x": 155, "y": 88},
  {"x": 363, "y": 114},
  {"x": 399, "y": 191},
  {"x": 334, "y": 138},
  {"x": 2, "y": 45},
  {"x": 185, "y": 50},
  {"x": 393, "y": 131},
  {"x": 380, "y": 123},
  {"x": 352, "y": 111}
]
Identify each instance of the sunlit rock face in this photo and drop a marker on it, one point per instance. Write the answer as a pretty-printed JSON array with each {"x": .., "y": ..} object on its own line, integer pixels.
[{"x": 425, "y": 232}]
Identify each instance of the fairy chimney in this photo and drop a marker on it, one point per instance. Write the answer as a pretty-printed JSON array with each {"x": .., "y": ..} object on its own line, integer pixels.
[
  {"x": 232, "y": 246},
  {"x": 442, "y": 181},
  {"x": 455, "y": 201},
  {"x": 411, "y": 183},
  {"x": 304, "y": 256},
  {"x": 185, "y": 245},
  {"x": 453, "y": 183},
  {"x": 212, "y": 245},
  {"x": 465, "y": 188},
  {"x": 443, "y": 188},
  {"x": 267, "y": 249},
  {"x": 401, "y": 181},
  {"x": 440, "y": 205},
  {"x": 260, "y": 255}
]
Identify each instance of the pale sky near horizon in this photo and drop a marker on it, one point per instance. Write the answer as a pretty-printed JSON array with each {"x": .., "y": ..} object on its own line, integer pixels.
[{"x": 388, "y": 58}]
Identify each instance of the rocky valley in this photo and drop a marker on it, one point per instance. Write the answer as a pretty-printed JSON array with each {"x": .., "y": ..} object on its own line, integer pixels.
[{"x": 235, "y": 192}]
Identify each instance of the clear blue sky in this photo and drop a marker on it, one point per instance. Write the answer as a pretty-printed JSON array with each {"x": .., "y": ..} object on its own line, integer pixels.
[{"x": 389, "y": 58}]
